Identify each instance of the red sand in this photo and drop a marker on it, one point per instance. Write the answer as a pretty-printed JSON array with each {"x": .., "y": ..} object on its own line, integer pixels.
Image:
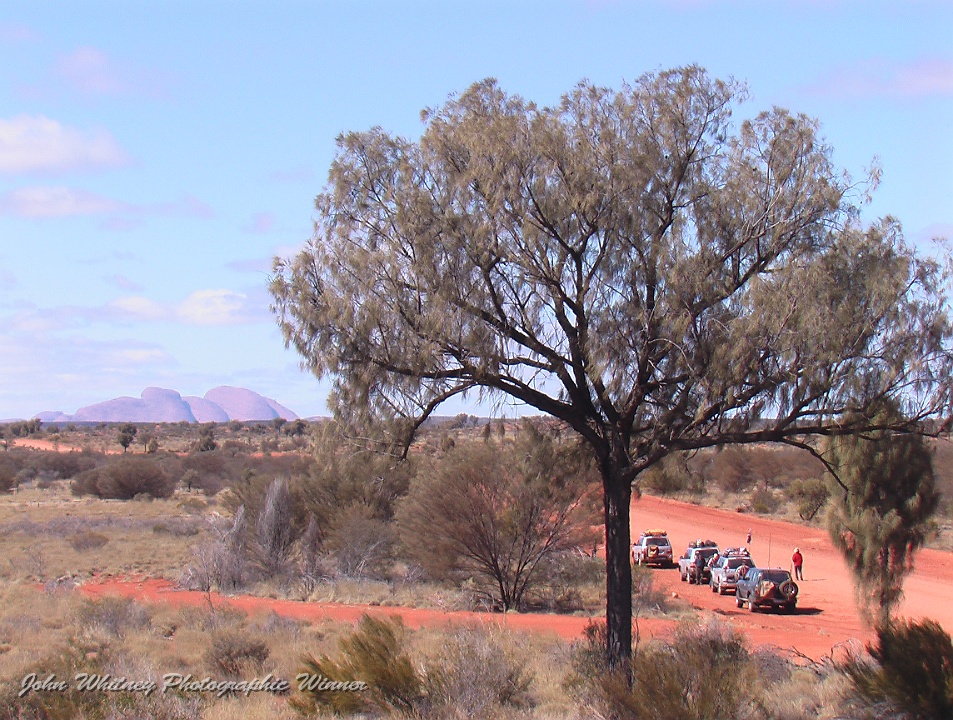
[{"x": 826, "y": 617}]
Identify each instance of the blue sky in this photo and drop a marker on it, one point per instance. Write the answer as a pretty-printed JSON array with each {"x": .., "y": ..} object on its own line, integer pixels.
[{"x": 154, "y": 156}]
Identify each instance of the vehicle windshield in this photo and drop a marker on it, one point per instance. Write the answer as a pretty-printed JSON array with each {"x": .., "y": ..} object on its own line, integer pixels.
[
  {"x": 776, "y": 576},
  {"x": 707, "y": 553},
  {"x": 657, "y": 541}
]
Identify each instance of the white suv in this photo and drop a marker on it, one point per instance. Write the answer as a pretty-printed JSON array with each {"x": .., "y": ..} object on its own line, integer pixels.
[{"x": 653, "y": 548}]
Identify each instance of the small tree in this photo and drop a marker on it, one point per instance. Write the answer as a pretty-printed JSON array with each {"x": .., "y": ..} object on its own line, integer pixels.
[
  {"x": 632, "y": 262},
  {"x": 495, "y": 514},
  {"x": 206, "y": 441},
  {"x": 127, "y": 433},
  {"x": 883, "y": 497}
]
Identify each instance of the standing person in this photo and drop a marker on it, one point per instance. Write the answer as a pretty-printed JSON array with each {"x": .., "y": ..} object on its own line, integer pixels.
[
  {"x": 797, "y": 560},
  {"x": 748, "y": 540}
]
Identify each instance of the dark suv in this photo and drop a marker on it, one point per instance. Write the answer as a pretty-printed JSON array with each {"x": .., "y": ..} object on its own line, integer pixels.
[{"x": 766, "y": 587}]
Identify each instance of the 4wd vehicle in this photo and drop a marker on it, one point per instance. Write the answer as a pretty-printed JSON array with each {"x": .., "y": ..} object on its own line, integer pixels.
[
  {"x": 766, "y": 587},
  {"x": 653, "y": 548},
  {"x": 732, "y": 564},
  {"x": 693, "y": 565}
]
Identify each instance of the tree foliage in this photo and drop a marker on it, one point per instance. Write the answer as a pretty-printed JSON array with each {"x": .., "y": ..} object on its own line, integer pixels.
[
  {"x": 882, "y": 500},
  {"x": 630, "y": 262}
]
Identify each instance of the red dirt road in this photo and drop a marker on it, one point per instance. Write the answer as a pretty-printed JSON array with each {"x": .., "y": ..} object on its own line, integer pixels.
[
  {"x": 826, "y": 617},
  {"x": 826, "y": 614}
]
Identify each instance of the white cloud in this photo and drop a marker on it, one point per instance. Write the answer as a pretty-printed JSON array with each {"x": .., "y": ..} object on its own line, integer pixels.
[
  {"x": 260, "y": 223},
  {"x": 140, "y": 356},
  {"x": 17, "y": 33},
  {"x": 212, "y": 307},
  {"x": 89, "y": 69},
  {"x": 35, "y": 143},
  {"x": 141, "y": 308},
  {"x": 917, "y": 78},
  {"x": 55, "y": 201},
  {"x": 47, "y": 201}
]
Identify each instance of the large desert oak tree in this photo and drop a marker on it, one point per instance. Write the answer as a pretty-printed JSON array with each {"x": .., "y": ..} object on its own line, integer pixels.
[{"x": 631, "y": 262}]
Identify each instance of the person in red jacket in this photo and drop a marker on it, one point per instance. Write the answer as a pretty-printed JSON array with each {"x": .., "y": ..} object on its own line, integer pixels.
[{"x": 797, "y": 560}]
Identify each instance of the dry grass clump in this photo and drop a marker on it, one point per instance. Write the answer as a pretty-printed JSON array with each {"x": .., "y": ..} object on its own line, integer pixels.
[
  {"x": 116, "y": 617},
  {"x": 234, "y": 654},
  {"x": 89, "y": 540}
]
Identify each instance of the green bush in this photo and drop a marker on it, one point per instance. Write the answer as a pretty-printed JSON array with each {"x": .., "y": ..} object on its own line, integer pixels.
[
  {"x": 910, "y": 670},
  {"x": 705, "y": 672},
  {"x": 810, "y": 495},
  {"x": 764, "y": 501},
  {"x": 374, "y": 655}
]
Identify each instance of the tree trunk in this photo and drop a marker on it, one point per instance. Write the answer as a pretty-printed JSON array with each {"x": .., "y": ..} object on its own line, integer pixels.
[{"x": 617, "y": 497}]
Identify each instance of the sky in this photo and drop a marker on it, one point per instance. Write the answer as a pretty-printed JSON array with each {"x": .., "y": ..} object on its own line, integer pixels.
[{"x": 156, "y": 156}]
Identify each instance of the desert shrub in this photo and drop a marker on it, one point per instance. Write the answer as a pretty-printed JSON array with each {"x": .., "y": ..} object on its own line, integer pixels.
[
  {"x": 493, "y": 513},
  {"x": 704, "y": 672},
  {"x": 124, "y": 479},
  {"x": 474, "y": 674},
  {"x": 274, "y": 531},
  {"x": 208, "y": 471},
  {"x": 234, "y": 654},
  {"x": 115, "y": 616},
  {"x": 909, "y": 673},
  {"x": 360, "y": 543},
  {"x": 671, "y": 476},
  {"x": 65, "y": 465},
  {"x": 177, "y": 527},
  {"x": 729, "y": 469},
  {"x": 89, "y": 540},
  {"x": 374, "y": 655},
  {"x": 8, "y": 475},
  {"x": 645, "y": 596},
  {"x": 810, "y": 495},
  {"x": 563, "y": 575},
  {"x": 227, "y": 561},
  {"x": 764, "y": 500},
  {"x": 93, "y": 657}
]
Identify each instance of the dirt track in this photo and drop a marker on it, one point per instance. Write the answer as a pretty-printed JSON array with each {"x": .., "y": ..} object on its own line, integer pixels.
[{"x": 825, "y": 620}]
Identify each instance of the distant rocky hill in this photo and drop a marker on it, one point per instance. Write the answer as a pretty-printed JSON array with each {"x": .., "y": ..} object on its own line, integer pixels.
[{"x": 220, "y": 404}]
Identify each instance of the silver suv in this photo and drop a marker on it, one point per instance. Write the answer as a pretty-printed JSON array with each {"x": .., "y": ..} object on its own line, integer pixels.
[{"x": 728, "y": 569}]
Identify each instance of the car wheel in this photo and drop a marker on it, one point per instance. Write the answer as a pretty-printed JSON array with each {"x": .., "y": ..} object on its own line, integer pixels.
[
  {"x": 713, "y": 588},
  {"x": 751, "y": 606},
  {"x": 721, "y": 589},
  {"x": 739, "y": 602}
]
